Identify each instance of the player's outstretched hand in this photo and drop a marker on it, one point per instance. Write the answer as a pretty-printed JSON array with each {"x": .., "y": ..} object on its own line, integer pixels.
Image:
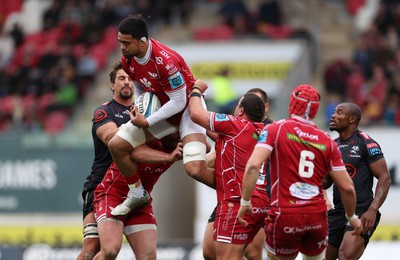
[
  {"x": 357, "y": 225},
  {"x": 177, "y": 154},
  {"x": 243, "y": 210},
  {"x": 137, "y": 118},
  {"x": 201, "y": 84}
]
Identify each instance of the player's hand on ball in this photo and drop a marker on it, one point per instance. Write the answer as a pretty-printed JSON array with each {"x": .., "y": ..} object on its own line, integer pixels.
[{"x": 137, "y": 118}]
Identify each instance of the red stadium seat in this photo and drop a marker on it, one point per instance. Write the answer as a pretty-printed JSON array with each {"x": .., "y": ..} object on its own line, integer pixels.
[{"x": 55, "y": 122}]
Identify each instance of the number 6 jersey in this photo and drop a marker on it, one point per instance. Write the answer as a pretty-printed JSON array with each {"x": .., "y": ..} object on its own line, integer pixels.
[{"x": 305, "y": 154}]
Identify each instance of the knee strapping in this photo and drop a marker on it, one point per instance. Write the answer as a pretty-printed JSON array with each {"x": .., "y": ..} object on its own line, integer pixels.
[
  {"x": 194, "y": 151},
  {"x": 90, "y": 231}
]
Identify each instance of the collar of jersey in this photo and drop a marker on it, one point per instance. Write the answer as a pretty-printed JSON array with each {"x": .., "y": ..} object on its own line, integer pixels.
[
  {"x": 146, "y": 57},
  {"x": 302, "y": 119}
]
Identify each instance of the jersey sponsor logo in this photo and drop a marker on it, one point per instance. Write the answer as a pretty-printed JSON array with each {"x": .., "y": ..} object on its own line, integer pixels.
[
  {"x": 240, "y": 236},
  {"x": 287, "y": 251},
  {"x": 293, "y": 137},
  {"x": 152, "y": 170},
  {"x": 221, "y": 117},
  {"x": 159, "y": 60},
  {"x": 256, "y": 210},
  {"x": 374, "y": 151},
  {"x": 355, "y": 152},
  {"x": 300, "y": 133},
  {"x": 119, "y": 115},
  {"x": 170, "y": 67},
  {"x": 255, "y": 135},
  {"x": 145, "y": 83},
  {"x": 294, "y": 230},
  {"x": 303, "y": 190},
  {"x": 351, "y": 170},
  {"x": 132, "y": 69},
  {"x": 100, "y": 115},
  {"x": 165, "y": 54},
  {"x": 176, "y": 80},
  {"x": 263, "y": 136}
]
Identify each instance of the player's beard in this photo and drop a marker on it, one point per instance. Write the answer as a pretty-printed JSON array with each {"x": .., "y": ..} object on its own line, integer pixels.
[
  {"x": 125, "y": 95},
  {"x": 128, "y": 55}
]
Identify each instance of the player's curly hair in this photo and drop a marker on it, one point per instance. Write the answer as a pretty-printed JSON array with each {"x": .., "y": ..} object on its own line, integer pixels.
[
  {"x": 113, "y": 73},
  {"x": 135, "y": 25}
]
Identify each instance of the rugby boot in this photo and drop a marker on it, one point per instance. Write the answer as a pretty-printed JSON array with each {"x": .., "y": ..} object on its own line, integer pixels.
[{"x": 130, "y": 203}]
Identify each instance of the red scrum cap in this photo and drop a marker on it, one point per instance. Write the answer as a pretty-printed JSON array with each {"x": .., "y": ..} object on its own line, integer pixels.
[{"x": 304, "y": 100}]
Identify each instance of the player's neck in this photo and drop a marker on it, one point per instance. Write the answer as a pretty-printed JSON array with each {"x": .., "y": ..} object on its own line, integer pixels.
[
  {"x": 347, "y": 133},
  {"x": 124, "y": 101}
]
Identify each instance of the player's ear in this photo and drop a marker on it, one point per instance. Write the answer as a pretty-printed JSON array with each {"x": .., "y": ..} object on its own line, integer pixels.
[{"x": 143, "y": 40}]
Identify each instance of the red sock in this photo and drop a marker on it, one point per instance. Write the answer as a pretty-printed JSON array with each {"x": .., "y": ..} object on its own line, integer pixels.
[{"x": 132, "y": 179}]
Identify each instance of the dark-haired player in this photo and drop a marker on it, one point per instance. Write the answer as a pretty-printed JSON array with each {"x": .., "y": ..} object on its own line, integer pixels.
[
  {"x": 155, "y": 68},
  {"x": 254, "y": 250},
  {"x": 237, "y": 136},
  {"x": 364, "y": 161},
  {"x": 300, "y": 156},
  {"x": 106, "y": 120}
]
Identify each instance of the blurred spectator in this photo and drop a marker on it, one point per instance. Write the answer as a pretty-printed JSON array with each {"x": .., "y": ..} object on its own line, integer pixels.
[
  {"x": 335, "y": 77},
  {"x": 363, "y": 56},
  {"x": 49, "y": 57},
  {"x": 378, "y": 85},
  {"x": 270, "y": 12},
  {"x": 86, "y": 70},
  {"x": 356, "y": 86},
  {"x": 92, "y": 29},
  {"x": 145, "y": 7},
  {"x": 51, "y": 16},
  {"x": 7, "y": 48},
  {"x": 392, "y": 109},
  {"x": 172, "y": 11},
  {"x": 234, "y": 13},
  {"x": 4, "y": 80},
  {"x": 72, "y": 13},
  {"x": 225, "y": 97},
  {"x": 17, "y": 34}
]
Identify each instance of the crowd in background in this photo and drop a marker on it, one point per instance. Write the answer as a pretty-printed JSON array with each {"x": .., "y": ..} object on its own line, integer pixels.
[
  {"x": 44, "y": 75},
  {"x": 371, "y": 77}
]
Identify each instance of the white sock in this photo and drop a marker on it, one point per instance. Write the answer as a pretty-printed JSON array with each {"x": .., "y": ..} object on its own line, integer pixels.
[{"x": 137, "y": 192}]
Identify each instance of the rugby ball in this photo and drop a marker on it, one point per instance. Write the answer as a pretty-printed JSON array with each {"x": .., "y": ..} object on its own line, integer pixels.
[{"x": 148, "y": 103}]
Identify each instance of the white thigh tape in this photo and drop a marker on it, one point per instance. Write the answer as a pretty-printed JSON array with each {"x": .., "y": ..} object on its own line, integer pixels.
[
  {"x": 132, "y": 134},
  {"x": 194, "y": 151}
]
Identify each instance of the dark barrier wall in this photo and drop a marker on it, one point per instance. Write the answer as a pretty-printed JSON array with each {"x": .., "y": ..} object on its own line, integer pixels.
[{"x": 35, "y": 180}]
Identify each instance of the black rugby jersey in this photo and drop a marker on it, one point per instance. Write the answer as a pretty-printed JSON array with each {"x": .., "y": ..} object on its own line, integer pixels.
[
  {"x": 358, "y": 152},
  {"x": 110, "y": 111}
]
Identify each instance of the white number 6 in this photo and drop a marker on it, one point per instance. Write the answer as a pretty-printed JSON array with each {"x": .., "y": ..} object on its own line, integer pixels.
[{"x": 306, "y": 166}]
